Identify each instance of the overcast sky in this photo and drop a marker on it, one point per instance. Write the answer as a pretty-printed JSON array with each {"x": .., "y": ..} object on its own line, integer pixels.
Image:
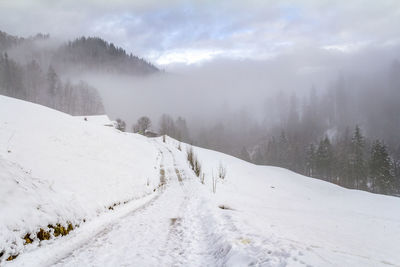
[{"x": 173, "y": 31}]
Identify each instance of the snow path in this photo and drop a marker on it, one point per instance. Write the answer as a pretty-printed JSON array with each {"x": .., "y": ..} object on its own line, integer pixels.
[{"x": 167, "y": 232}]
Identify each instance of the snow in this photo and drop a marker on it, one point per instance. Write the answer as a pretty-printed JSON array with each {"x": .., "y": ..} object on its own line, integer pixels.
[
  {"x": 299, "y": 220},
  {"x": 55, "y": 168},
  {"x": 103, "y": 120}
]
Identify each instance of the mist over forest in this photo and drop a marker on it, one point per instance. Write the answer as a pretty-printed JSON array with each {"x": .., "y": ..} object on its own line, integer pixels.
[
  {"x": 318, "y": 112},
  {"x": 322, "y": 115}
]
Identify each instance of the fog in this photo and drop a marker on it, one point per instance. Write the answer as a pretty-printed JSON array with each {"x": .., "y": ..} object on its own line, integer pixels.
[
  {"x": 262, "y": 80},
  {"x": 213, "y": 91}
]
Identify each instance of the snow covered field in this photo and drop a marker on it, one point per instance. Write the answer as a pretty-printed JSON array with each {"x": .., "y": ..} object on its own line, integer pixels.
[{"x": 55, "y": 168}]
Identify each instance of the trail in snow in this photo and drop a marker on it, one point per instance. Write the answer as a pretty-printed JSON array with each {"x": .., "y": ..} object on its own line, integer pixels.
[
  {"x": 181, "y": 225},
  {"x": 168, "y": 232}
]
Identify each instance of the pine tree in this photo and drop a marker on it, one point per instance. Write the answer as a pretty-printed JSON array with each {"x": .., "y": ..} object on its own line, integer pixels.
[
  {"x": 52, "y": 81},
  {"x": 342, "y": 155},
  {"x": 356, "y": 160},
  {"x": 380, "y": 166},
  {"x": 260, "y": 155},
  {"x": 271, "y": 153},
  {"x": 324, "y": 159},
  {"x": 283, "y": 150},
  {"x": 311, "y": 160}
]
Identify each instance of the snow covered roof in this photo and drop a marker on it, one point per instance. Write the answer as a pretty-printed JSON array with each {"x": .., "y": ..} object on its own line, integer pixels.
[{"x": 98, "y": 119}]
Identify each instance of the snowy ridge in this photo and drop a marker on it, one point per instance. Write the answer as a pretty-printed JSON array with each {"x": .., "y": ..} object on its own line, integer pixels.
[{"x": 57, "y": 169}]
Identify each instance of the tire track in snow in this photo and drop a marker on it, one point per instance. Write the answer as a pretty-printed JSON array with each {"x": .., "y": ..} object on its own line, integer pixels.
[
  {"x": 228, "y": 242},
  {"x": 141, "y": 239},
  {"x": 190, "y": 241},
  {"x": 173, "y": 229}
]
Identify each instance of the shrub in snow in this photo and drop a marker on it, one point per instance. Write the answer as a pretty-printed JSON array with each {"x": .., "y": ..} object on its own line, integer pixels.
[
  {"x": 221, "y": 171},
  {"x": 193, "y": 161}
]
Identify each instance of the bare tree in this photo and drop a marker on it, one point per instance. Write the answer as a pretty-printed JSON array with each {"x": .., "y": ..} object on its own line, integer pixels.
[
  {"x": 142, "y": 125},
  {"x": 121, "y": 125},
  {"x": 167, "y": 125}
]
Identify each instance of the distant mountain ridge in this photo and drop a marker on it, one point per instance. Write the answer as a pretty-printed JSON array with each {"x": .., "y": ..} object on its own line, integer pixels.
[
  {"x": 80, "y": 54},
  {"x": 94, "y": 53}
]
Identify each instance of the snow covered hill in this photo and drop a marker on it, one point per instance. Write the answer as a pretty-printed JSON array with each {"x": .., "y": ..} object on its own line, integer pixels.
[
  {"x": 58, "y": 169},
  {"x": 138, "y": 203}
]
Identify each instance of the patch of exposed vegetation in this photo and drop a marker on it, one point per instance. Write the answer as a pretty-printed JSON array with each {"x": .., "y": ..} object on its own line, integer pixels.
[
  {"x": 61, "y": 230},
  {"x": 28, "y": 239},
  {"x": 116, "y": 204},
  {"x": 221, "y": 171},
  {"x": 202, "y": 178},
  {"x": 162, "y": 177},
  {"x": 12, "y": 257},
  {"x": 43, "y": 235},
  {"x": 174, "y": 220},
  {"x": 225, "y": 207},
  {"x": 178, "y": 174},
  {"x": 193, "y": 161}
]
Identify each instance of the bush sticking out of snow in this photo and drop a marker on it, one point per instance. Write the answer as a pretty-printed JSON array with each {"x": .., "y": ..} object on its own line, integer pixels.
[
  {"x": 193, "y": 161},
  {"x": 28, "y": 239},
  {"x": 214, "y": 182},
  {"x": 197, "y": 167},
  {"x": 190, "y": 156},
  {"x": 221, "y": 171},
  {"x": 11, "y": 257},
  {"x": 225, "y": 207},
  {"x": 202, "y": 178},
  {"x": 41, "y": 235}
]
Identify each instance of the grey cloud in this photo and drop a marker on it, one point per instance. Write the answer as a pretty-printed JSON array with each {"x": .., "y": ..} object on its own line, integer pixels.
[{"x": 250, "y": 27}]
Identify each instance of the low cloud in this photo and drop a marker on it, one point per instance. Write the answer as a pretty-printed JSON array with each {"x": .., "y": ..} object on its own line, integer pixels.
[{"x": 179, "y": 31}]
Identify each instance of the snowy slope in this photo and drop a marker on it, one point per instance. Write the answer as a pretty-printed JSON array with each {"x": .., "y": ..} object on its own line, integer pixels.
[
  {"x": 55, "y": 168},
  {"x": 280, "y": 217}
]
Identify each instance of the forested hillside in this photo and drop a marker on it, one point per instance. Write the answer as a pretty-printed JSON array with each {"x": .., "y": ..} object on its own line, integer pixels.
[
  {"x": 346, "y": 133},
  {"x": 7, "y": 41},
  {"x": 39, "y": 71},
  {"x": 94, "y": 53},
  {"x": 29, "y": 82}
]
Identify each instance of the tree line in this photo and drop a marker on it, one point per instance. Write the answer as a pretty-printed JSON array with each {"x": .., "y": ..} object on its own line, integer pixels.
[
  {"x": 349, "y": 160},
  {"x": 175, "y": 128},
  {"x": 95, "y": 54},
  {"x": 31, "y": 69},
  {"x": 29, "y": 82}
]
